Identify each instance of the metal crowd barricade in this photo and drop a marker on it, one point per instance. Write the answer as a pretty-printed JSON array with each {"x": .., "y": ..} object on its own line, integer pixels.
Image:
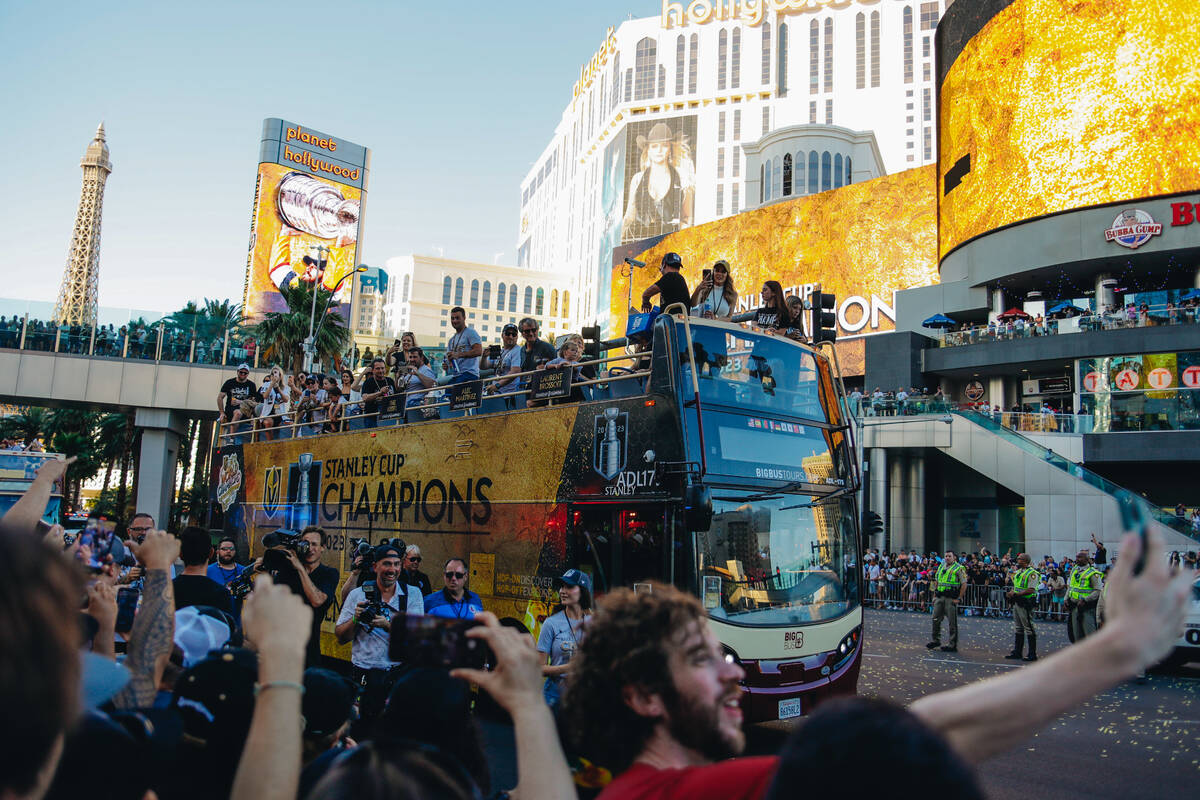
[{"x": 979, "y": 600}]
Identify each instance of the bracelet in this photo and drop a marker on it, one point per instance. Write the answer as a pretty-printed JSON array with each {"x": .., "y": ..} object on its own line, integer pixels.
[{"x": 259, "y": 688}]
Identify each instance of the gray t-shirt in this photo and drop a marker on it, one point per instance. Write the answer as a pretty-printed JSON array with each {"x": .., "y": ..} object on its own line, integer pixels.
[
  {"x": 464, "y": 340},
  {"x": 560, "y": 638}
]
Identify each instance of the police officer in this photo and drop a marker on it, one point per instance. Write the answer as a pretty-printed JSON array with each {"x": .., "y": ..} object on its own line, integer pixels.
[
  {"x": 1083, "y": 593},
  {"x": 951, "y": 586},
  {"x": 1023, "y": 596}
]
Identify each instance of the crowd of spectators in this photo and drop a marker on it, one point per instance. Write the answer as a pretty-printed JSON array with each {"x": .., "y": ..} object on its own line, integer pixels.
[{"x": 206, "y": 702}]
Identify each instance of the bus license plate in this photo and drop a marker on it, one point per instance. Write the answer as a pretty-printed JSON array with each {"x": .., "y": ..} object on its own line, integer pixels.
[{"x": 789, "y": 708}]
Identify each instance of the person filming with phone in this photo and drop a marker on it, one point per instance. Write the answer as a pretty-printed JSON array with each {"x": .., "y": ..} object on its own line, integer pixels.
[{"x": 366, "y": 622}]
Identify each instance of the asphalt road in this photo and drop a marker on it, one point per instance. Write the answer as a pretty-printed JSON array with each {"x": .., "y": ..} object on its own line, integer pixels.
[{"x": 1136, "y": 741}]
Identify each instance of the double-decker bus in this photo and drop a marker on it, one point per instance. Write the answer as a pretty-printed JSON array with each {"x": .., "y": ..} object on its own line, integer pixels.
[{"x": 721, "y": 462}]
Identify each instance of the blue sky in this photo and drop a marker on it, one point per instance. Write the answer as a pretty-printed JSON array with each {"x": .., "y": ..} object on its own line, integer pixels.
[{"x": 456, "y": 101}]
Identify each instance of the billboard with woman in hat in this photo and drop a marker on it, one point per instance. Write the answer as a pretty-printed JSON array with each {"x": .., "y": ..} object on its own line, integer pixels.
[{"x": 660, "y": 184}]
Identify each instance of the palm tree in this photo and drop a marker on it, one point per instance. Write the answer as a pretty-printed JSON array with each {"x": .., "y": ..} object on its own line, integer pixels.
[
  {"x": 281, "y": 335},
  {"x": 27, "y": 426}
]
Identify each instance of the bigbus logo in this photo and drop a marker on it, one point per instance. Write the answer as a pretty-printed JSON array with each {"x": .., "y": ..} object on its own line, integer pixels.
[{"x": 610, "y": 445}]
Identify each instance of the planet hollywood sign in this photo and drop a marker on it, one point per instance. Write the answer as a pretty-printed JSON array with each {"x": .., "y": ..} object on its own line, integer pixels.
[{"x": 748, "y": 12}]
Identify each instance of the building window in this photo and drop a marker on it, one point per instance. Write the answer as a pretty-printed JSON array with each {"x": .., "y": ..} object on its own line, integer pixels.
[
  {"x": 814, "y": 57},
  {"x": 720, "y": 162},
  {"x": 798, "y": 173},
  {"x": 829, "y": 111},
  {"x": 927, "y": 143},
  {"x": 645, "y": 63},
  {"x": 443, "y": 325},
  {"x": 566, "y": 303},
  {"x": 662, "y": 81},
  {"x": 766, "y": 54},
  {"x": 837, "y": 171},
  {"x": 475, "y": 293},
  {"x": 764, "y": 191},
  {"x": 735, "y": 59},
  {"x": 528, "y": 299},
  {"x": 929, "y": 16},
  {"x": 926, "y": 105},
  {"x": 925, "y": 71},
  {"x": 458, "y": 292},
  {"x": 737, "y": 160},
  {"x": 446, "y": 291},
  {"x": 812, "y": 112},
  {"x": 860, "y": 50},
  {"x": 540, "y": 308},
  {"x": 554, "y": 303},
  {"x": 781, "y": 77},
  {"x": 829, "y": 54},
  {"x": 908, "y": 45},
  {"x": 737, "y": 124},
  {"x": 736, "y": 199},
  {"x": 487, "y": 294},
  {"x": 924, "y": 47},
  {"x": 615, "y": 82},
  {"x": 776, "y": 177},
  {"x": 787, "y": 174},
  {"x": 874, "y": 49},
  {"x": 849, "y": 174},
  {"x": 628, "y": 85},
  {"x": 404, "y": 291},
  {"x": 766, "y": 120},
  {"x": 722, "y": 59},
  {"x": 826, "y": 164},
  {"x": 721, "y": 127},
  {"x": 512, "y": 297},
  {"x": 814, "y": 174},
  {"x": 680, "y": 52},
  {"x": 500, "y": 297},
  {"x": 692, "y": 58},
  {"x": 720, "y": 201}
]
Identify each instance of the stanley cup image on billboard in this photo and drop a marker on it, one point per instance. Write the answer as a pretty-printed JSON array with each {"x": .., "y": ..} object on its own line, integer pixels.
[{"x": 308, "y": 211}]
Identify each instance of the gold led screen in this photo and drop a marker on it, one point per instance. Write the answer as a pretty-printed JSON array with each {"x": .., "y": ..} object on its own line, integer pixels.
[
  {"x": 1061, "y": 105},
  {"x": 862, "y": 242}
]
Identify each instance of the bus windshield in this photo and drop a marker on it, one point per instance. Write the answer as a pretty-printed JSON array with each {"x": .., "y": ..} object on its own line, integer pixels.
[
  {"x": 774, "y": 562},
  {"x": 754, "y": 371}
]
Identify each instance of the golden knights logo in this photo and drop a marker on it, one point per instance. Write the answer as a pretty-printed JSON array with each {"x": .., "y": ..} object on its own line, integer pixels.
[
  {"x": 272, "y": 491},
  {"x": 610, "y": 445},
  {"x": 303, "y": 492}
]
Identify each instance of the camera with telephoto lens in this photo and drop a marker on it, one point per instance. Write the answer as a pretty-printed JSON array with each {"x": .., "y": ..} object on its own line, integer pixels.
[
  {"x": 275, "y": 561},
  {"x": 374, "y": 607},
  {"x": 362, "y": 548},
  {"x": 242, "y": 585}
]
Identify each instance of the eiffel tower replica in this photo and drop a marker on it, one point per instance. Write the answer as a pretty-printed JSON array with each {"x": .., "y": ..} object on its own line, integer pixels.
[{"x": 77, "y": 297}]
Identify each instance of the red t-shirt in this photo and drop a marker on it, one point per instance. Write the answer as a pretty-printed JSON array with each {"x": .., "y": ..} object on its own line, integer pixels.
[{"x": 735, "y": 779}]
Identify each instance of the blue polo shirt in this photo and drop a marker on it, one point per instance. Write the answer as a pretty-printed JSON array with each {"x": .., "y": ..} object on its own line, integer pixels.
[
  {"x": 224, "y": 575},
  {"x": 439, "y": 604}
]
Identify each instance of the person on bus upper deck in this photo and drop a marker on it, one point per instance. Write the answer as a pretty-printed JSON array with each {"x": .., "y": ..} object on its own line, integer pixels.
[
  {"x": 569, "y": 353},
  {"x": 670, "y": 285},
  {"x": 534, "y": 351},
  {"x": 795, "y": 327},
  {"x": 377, "y": 386},
  {"x": 463, "y": 350},
  {"x": 716, "y": 293},
  {"x": 774, "y": 311},
  {"x": 455, "y": 600},
  {"x": 419, "y": 380},
  {"x": 508, "y": 363}
]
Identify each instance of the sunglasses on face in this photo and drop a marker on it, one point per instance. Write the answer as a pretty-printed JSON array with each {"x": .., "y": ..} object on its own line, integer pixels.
[
  {"x": 459, "y": 575},
  {"x": 528, "y": 330},
  {"x": 414, "y": 559}
]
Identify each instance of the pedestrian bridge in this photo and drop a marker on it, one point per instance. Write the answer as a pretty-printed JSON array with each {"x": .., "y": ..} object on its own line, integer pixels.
[{"x": 1064, "y": 502}]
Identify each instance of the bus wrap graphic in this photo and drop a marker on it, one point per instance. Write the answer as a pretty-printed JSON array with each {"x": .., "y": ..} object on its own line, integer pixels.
[
  {"x": 272, "y": 491},
  {"x": 610, "y": 446}
]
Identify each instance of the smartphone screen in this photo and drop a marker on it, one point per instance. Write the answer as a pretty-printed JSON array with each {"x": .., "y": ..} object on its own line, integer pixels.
[
  {"x": 127, "y": 601},
  {"x": 708, "y": 273},
  {"x": 423, "y": 641}
]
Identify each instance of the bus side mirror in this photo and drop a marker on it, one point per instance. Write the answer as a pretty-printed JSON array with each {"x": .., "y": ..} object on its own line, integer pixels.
[{"x": 697, "y": 507}]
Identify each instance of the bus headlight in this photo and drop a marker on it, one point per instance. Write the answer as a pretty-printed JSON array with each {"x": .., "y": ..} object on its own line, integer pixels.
[{"x": 846, "y": 646}]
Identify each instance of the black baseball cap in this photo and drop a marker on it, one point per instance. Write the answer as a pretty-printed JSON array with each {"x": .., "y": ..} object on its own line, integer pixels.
[
  {"x": 672, "y": 259},
  {"x": 509, "y": 328},
  {"x": 387, "y": 549}
]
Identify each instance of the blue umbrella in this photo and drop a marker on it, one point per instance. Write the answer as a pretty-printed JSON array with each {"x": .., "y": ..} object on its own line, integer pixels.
[
  {"x": 1190, "y": 294},
  {"x": 1066, "y": 307},
  {"x": 938, "y": 321}
]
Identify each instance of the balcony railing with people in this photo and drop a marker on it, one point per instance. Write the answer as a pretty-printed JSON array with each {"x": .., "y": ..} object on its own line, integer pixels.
[{"x": 1023, "y": 326}]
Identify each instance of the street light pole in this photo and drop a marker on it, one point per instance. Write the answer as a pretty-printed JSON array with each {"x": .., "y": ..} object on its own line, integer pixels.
[{"x": 310, "y": 345}]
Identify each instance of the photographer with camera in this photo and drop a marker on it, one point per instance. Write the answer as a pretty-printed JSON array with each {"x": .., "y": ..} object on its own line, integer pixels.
[
  {"x": 298, "y": 566},
  {"x": 366, "y": 620}
]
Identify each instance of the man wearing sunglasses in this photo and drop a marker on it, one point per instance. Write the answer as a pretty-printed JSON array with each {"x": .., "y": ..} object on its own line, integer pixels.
[
  {"x": 412, "y": 575},
  {"x": 535, "y": 352},
  {"x": 455, "y": 601}
]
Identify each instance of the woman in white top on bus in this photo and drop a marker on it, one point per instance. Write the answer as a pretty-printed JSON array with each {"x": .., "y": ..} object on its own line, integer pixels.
[
  {"x": 717, "y": 291},
  {"x": 276, "y": 400}
]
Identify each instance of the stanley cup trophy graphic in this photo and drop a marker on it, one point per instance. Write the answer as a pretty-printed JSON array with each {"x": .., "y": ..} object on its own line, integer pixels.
[
  {"x": 303, "y": 497},
  {"x": 610, "y": 445}
]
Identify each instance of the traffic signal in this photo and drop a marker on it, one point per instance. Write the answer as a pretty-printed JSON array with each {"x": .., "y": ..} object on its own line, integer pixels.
[
  {"x": 591, "y": 342},
  {"x": 872, "y": 525},
  {"x": 824, "y": 319}
]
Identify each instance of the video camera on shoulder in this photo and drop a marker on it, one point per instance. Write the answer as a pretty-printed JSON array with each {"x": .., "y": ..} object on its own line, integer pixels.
[
  {"x": 275, "y": 561},
  {"x": 439, "y": 642}
]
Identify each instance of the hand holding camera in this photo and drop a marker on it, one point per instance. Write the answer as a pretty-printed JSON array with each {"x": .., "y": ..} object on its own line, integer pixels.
[
  {"x": 370, "y": 611},
  {"x": 515, "y": 680},
  {"x": 158, "y": 551}
]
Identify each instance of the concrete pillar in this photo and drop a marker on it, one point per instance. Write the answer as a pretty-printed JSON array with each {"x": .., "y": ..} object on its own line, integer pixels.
[
  {"x": 997, "y": 303},
  {"x": 897, "y": 516},
  {"x": 995, "y": 392},
  {"x": 878, "y": 500},
  {"x": 1104, "y": 291},
  {"x": 1196, "y": 279},
  {"x": 162, "y": 431},
  {"x": 915, "y": 535}
]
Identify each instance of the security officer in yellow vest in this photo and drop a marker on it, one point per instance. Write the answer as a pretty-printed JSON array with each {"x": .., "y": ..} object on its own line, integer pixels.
[
  {"x": 951, "y": 586},
  {"x": 1083, "y": 593},
  {"x": 1023, "y": 597}
]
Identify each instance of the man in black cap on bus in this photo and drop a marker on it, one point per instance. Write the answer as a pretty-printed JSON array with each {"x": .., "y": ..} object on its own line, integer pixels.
[{"x": 671, "y": 285}]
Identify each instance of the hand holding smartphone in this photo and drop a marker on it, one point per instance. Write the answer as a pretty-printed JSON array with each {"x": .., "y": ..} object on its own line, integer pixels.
[{"x": 423, "y": 641}]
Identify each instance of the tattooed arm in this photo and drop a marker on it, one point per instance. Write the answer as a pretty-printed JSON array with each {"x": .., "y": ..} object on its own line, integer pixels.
[{"x": 153, "y": 632}]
